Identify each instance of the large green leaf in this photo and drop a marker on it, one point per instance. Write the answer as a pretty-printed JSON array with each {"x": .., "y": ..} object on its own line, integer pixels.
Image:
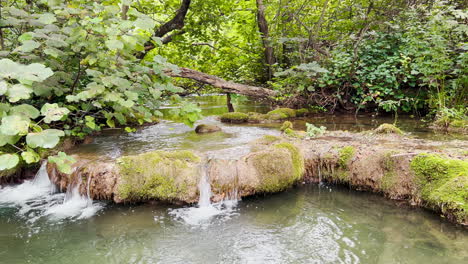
[
  {"x": 14, "y": 125},
  {"x": 3, "y": 87},
  {"x": 47, "y": 18},
  {"x": 5, "y": 139},
  {"x": 26, "y": 110},
  {"x": 18, "y": 92},
  {"x": 114, "y": 44},
  {"x": 9, "y": 69},
  {"x": 48, "y": 138},
  {"x": 8, "y": 161},
  {"x": 35, "y": 72},
  {"x": 63, "y": 161},
  {"x": 30, "y": 156},
  {"x": 52, "y": 112},
  {"x": 29, "y": 45}
]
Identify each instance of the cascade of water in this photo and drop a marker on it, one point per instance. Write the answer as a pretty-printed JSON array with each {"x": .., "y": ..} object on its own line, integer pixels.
[
  {"x": 38, "y": 197},
  {"x": 205, "y": 210},
  {"x": 204, "y": 189}
]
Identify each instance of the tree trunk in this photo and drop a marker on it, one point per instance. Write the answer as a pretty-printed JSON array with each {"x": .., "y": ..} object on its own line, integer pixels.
[
  {"x": 263, "y": 27},
  {"x": 229, "y": 104},
  {"x": 226, "y": 86}
]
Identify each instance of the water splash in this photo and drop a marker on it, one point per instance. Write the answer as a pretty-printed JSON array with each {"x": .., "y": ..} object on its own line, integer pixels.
[
  {"x": 38, "y": 198},
  {"x": 205, "y": 211}
]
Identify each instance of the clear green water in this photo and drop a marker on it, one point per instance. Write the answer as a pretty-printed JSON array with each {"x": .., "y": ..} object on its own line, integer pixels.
[{"x": 309, "y": 224}]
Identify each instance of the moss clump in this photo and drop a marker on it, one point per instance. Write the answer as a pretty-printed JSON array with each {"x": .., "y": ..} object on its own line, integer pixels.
[
  {"x": 345, "y": 155},
  {"x": 459, "y": 123},
  {"x": 255, "y": 117},
  {"x": 388, "y": 129},
  {"x": 443, "y": 183},
  {"x": 269, "y": 139},
  {"x": 286, "y": 125},
  {"x": 160, "y": 175},
  {"x": 388, "y": 180},
  {"x": 279, "y": 167},
  {"x": 234, "y": 117},
  {"x": 302, "y": 112},
  {"x": 281, "y": 113}
]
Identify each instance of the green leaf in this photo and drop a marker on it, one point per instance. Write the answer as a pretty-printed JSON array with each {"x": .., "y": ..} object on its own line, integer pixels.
[
  {"x": 8, "y": 161},
  {"x": 9, "y": 69},
  {"x": 18, "y": 92},
  {"x": 47, "y": 18},
  {"x": 29, "y": 45},
  {"x": 5, "y": 139},
  {"x": 30, "y": 156},
  {"x": 14, "y": 125},
  {"x": 26, "y": 36},
  {"x": 53, "y": 112},
  {"x": 36, "y": 72},
  {"x": 63, "y": 161},
  {"x": 26, "y": 110},
  {"x": 114, "y": 44},
  {"x": 3, "y": 87},
  {"x": 48, "y": 138}
]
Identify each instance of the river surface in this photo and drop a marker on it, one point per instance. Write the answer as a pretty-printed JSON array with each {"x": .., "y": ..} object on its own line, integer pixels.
[{"x": 307, "y": 224}]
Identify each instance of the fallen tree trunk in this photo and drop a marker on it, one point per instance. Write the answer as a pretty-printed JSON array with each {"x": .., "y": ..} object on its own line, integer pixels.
[{"x": 227, "y": 86}]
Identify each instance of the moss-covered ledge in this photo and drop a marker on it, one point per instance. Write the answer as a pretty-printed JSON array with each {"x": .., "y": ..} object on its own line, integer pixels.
[{"x": 424, "y": 173}]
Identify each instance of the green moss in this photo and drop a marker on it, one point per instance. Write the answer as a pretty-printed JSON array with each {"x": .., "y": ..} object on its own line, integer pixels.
[
  {"x": 443, "y": 183},
  {"x": 295, "y": 134},
  {"x": 255, "y": 117},
  {"x": 268, "y": 139},
  {"x": 388, "y": 180},
  {"x": 286, "y": 125},
  {"x": 158, "y": 175},
  {"x": 278, "y": 168},
  {"x": 281, "y": 113},
  {"x": 459, "y": 123},
  {"x": 302, "y": 112},
  {"x": 234, "y": 117},
  {"x": 345, "y": 155},
  {"x": 388, "y": 129}
]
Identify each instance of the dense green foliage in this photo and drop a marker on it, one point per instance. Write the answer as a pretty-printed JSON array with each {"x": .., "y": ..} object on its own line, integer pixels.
[{"x": 71, "y": 68}]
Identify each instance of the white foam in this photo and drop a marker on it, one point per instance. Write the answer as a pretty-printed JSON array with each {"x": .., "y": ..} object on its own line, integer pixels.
[{"x": 38, "y": 198}]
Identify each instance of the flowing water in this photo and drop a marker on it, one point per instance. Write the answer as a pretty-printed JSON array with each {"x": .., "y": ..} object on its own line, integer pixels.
[{"x": 308, "y": 224}]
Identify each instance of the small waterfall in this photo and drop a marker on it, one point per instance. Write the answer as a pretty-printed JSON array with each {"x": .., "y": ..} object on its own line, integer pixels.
[
  {"x": 38, "y": 198},
  {"x": 205, "y": 211},
  {"x": 204, "y": 188}
]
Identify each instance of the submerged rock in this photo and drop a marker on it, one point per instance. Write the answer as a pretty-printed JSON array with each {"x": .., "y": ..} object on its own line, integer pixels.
[{"x": 203, "y": 128}]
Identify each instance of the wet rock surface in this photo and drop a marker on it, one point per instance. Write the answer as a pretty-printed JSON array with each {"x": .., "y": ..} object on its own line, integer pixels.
[{"x": 365, "y": 161}]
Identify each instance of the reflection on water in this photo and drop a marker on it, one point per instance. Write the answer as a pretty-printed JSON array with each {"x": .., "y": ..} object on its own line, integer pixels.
[{"x": 305, "y": 225}]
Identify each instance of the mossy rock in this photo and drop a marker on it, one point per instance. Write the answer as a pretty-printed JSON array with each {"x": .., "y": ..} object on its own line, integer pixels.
[
  {"x": 279, "y": 167},
  {"x": 255, "y": 117},
  {"x": 388, "y": 129},
  {"x": 286, "y": 125},
  {"x": 203, "y": 128},
  {"x": 443, "y": 183},
  {"x": 268, "y": 139},
  {"x": 345, "y": 156},
  {"x": 281, "y": 113},
  {"x": 159, "y": 175},
  {"x": 302, "y": 112},
  {"x": 295, "y": 134},
  {"x": 234, "y": 117}
]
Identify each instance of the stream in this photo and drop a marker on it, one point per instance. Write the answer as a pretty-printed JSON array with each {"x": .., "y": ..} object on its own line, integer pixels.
[{"x": 306, "y": 224}]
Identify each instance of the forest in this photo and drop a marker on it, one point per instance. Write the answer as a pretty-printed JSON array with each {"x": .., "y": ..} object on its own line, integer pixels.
[
  {"x": 234, "y": 131},
  {"x": 72, "y": 68}
]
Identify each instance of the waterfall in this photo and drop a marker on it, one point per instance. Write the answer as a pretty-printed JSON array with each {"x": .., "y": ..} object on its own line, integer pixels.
[
  {"x": 38, "y": 198},
  {"x": 205, "y": 211},
  {"x": 204, "y": 188}
]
